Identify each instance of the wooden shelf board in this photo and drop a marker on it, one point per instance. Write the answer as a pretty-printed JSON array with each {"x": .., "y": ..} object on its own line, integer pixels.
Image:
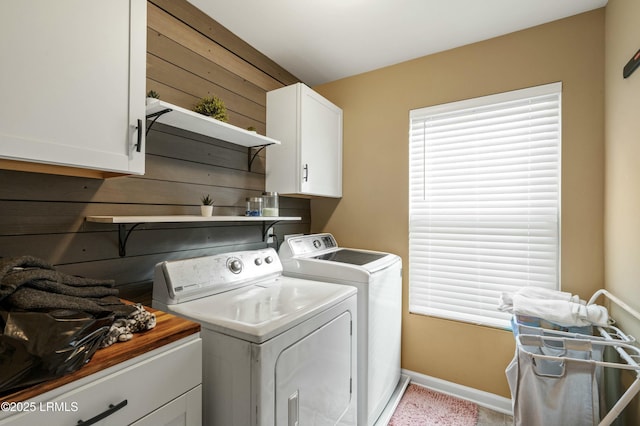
[
  {"x": 194, "y": 122},
  {"x": 188, "y": 218}
]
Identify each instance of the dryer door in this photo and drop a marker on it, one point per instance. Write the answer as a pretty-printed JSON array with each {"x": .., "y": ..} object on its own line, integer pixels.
[{"x": 314, "y": 377}]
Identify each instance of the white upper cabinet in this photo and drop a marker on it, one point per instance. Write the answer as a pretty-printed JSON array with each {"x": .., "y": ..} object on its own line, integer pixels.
[
  {"x": 72, "y": 91},
  {"x": 309, "y": 159}
]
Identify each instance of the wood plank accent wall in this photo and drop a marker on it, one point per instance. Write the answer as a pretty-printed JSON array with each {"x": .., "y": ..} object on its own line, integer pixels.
[{"x": 189, "y": 56}]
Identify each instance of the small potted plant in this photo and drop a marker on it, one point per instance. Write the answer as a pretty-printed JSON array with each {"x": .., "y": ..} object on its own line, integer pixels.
[
  {"x": 206, "y": 209},
  {"x": 213, "y": 107}
]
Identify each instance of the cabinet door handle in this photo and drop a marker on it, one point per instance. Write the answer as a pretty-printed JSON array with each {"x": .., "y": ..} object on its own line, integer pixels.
[
  {"x": 306, "y": 173},
  {"x": 106, "y": 413},
  {"x": 139, "y": 144}
]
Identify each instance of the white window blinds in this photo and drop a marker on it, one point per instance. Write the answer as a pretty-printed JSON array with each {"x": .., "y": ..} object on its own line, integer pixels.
[{"x": 484, "y": 211}]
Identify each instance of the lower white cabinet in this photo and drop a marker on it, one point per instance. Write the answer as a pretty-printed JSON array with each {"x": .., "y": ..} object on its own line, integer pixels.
[{"x": 162, "y": 387}]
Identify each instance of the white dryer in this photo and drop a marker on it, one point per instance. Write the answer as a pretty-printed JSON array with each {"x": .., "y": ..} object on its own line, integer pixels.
[
  {"x": 378, "y": 278},
  {"x": 276, "y": 350}
]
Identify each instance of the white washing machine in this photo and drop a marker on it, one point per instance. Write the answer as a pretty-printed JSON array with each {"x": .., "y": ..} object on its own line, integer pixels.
[
  {"x": 276, "y": 350},
  {"x": 378, "y": 278}
]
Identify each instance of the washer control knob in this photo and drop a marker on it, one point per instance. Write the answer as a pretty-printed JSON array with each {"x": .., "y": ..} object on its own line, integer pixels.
[
  {"x": 234, "y": 265},
  {"x": 258, "y": 261},
  {"x": 268, "y": 259},
  {"x": 317, "y": 243}
]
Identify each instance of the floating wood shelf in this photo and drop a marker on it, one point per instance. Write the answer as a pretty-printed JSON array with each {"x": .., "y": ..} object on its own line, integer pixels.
[
  {"x": 175, "y": 116},
  {"x": 186, "y": 218}
]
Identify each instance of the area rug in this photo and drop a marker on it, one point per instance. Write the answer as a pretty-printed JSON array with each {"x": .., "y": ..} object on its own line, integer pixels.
[{"x": 420, "y": 406}]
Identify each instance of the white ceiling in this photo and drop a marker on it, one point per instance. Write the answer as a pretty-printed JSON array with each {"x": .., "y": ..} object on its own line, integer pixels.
[{"x": 320, "y": 41}]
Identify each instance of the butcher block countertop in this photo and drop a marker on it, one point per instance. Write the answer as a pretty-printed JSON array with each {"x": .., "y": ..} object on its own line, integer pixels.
[{"x": 169, "y": 328}]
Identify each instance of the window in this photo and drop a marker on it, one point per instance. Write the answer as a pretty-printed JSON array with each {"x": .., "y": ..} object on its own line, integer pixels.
[{"x": 484, "y": 202}]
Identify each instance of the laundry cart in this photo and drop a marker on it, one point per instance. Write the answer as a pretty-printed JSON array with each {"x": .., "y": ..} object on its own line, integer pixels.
[{"x": 556, "y": 375}]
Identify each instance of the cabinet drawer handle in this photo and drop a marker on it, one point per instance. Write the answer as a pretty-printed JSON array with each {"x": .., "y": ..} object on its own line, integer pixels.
[
  {"x": 112, "y": 409},
  {"x": 139, "y": 144},
  {"x": 306, "y": 173}
]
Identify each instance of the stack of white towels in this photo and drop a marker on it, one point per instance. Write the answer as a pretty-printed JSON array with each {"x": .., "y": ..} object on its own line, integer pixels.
[{"x": 559, "y": 307}]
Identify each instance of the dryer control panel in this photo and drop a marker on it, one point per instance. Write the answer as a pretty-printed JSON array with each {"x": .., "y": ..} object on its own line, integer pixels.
[
  {"x": 309, "y": 244},
  {"x": 188, "y": 279}
]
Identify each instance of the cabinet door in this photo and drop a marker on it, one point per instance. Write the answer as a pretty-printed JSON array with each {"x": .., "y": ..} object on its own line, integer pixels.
[
  {"x": 309, "y": 159},
  {"x": 320, "y": 145},
  {"x": 185, "y": 410},
  {"x": 125, "y": 394},
  {"x": 73, "y": 82}
]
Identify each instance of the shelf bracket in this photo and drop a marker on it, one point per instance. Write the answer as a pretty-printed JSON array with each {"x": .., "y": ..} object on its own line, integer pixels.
[
  {"x": 123, "y": 236},
  {"x": 155, "y": 116},
  {"x": 251, "y": 158}
]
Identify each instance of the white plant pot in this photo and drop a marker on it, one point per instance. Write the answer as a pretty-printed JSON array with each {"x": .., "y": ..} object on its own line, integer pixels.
[{"x": 206, "y": 210}]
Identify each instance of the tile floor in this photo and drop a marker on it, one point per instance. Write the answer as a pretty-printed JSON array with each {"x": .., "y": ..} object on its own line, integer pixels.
[{"x": 487, "y": 417}]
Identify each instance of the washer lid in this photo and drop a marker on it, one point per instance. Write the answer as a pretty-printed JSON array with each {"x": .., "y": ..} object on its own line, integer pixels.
[
  {"x": 258, "y": 312},
  {"x": 353, "y": 257}
]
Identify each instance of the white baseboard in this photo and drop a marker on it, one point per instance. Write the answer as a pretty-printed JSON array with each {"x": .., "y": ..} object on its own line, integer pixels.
[
  {"x": 394, "y": 400},
  {"x": 492, "y": 401}
]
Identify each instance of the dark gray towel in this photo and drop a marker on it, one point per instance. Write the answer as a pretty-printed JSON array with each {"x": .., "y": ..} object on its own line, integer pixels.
[
  {"x": 27, "y": 270},
  {"x": 68, "y": 290},
  {"x": 30, "y": 283},
  {"x": 31, "y": 299},
  {"x": 7, "y": 264}
]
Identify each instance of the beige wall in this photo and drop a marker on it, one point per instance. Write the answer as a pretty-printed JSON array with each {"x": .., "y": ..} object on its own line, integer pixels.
[
  {"x": 622, "y": 116},
  {"x": 622, "y": 136},
  {"x": 373, "y": 212}
]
